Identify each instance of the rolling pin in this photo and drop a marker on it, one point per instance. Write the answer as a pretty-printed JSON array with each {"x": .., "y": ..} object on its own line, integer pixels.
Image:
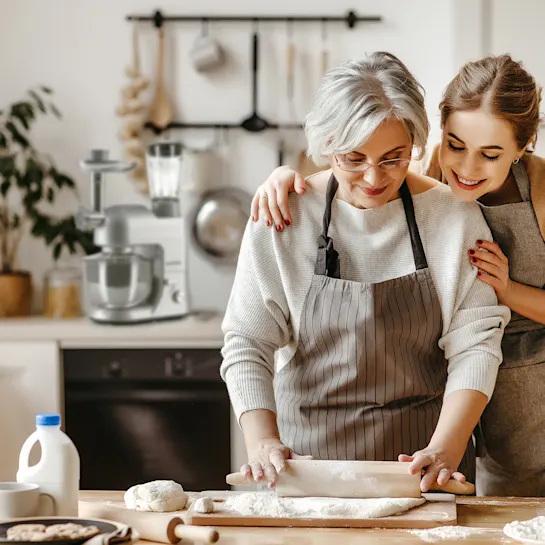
[
  {"x": 351, "y": 479},
  {"x": 161, "y": 527}
]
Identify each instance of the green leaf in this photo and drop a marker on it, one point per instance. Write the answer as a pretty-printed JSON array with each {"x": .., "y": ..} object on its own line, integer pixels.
[
  {"x": 16, "y": 135},
  {"x": 24, "y": 112},
  {"x": 38, "y": 100},
  {"x": 4, "y": 187},
  {"x": 55, "y": 110},
  {"x": 7, "y": 165},
  {"x": 57, "y": 249},
  {"x": 62, "y": 180}
]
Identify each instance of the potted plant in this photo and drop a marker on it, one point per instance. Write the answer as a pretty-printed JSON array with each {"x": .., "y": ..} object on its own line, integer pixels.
[{"x": 29, "y": 184}]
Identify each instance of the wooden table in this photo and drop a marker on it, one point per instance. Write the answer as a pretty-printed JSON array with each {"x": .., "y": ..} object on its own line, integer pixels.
[{"x": 476, "y": 512}]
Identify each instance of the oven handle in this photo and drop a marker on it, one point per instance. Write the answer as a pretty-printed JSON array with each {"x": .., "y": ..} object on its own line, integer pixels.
[{"x": 148, "y": 395}]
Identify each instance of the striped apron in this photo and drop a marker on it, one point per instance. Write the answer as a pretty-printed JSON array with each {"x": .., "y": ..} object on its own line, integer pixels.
[
  {"x": 512, "y": 441},
  {"x": 367, "y": 379}
]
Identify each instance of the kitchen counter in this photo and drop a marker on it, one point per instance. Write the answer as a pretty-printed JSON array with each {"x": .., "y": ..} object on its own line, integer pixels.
[
  {"x": 489, "y": 514},
  {"x": 189, "y": 332}
]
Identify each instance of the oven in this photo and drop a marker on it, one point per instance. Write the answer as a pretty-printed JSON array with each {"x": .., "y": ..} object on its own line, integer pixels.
[{"x": 137, "y": 415}]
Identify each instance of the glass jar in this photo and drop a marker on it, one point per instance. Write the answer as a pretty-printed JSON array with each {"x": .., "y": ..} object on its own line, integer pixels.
[{"x": 62, "y": 292}]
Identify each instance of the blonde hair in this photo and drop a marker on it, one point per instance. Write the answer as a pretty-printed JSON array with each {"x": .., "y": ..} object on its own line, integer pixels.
[
  {"x": 504, "y": 86},
  {"x": 354, "y": 98}
]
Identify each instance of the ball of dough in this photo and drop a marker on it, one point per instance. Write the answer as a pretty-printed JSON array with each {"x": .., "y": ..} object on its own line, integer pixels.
[
  {"x": 159, "y": 496},
  {"x": 203, "y": 505}
]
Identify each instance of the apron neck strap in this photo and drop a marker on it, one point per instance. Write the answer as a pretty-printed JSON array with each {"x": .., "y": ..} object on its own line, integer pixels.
[
  {"x": 419, "y": 256},
  {"x": 327, "y": 259},
  {"x": 521, "y": 179}
]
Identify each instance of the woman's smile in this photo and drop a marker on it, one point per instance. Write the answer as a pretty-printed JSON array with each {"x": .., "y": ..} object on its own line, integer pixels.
[{"x": 468, "y": 183}]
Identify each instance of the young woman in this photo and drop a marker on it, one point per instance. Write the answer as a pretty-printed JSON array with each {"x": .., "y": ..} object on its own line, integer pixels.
[
  {"x": 362, "y": 333},
  {"x": 490, "y": 117}
]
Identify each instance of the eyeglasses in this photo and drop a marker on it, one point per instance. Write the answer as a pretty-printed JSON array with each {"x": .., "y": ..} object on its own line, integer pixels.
[{"x": 388, "y": 165}]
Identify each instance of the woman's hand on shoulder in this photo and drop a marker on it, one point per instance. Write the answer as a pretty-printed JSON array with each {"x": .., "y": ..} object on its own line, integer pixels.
[
  {"x": 270, "y": 201},
  {"x": 492, "y": 267}
]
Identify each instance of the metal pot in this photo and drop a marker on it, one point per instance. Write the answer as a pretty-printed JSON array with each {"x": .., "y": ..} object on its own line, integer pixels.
[{"x": 219, "y": 223}]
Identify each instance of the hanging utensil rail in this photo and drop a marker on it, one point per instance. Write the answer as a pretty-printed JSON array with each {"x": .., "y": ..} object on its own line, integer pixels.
[{"x": 351, "y": 18}]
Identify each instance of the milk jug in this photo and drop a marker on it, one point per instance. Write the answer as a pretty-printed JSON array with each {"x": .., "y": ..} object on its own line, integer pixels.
[{"x": 57, "y": 472}]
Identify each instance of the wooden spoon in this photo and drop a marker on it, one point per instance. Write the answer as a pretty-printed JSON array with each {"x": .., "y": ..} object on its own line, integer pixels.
[{"x": 160, "y": 113}]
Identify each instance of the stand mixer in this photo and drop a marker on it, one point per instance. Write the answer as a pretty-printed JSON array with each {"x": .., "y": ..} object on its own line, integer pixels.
[{"x": 139, "y": 275}]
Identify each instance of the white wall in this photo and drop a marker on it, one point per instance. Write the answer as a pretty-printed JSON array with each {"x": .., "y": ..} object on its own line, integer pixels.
[
  {"x": 80, "y": 49},
  {"x": 517, "y": 29}
]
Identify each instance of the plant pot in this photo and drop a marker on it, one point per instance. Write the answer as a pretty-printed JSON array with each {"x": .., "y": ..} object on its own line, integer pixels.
[{"x": 15, "y": 294}]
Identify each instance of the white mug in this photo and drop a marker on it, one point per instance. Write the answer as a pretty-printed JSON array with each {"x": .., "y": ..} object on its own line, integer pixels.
[
  {"x": 206, "y": 53},
  {"x": 24, "y": 500}
]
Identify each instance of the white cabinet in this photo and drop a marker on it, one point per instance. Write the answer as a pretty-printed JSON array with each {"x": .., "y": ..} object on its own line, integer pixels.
[{"x": 30, "y": 383}]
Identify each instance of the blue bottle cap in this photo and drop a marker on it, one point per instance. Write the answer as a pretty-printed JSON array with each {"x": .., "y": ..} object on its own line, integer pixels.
[{"x": 48, "y": 419}]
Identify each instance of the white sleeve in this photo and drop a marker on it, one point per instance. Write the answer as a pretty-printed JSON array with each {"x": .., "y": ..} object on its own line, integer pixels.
[
  {"x": 256, "y": 323},
  {"x": 473, "y": 321}
]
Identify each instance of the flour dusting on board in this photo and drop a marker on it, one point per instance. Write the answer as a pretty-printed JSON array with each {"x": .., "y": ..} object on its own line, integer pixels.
[
  {"x": 267, "y": 504},
  {"x": 449, "y": 532}
]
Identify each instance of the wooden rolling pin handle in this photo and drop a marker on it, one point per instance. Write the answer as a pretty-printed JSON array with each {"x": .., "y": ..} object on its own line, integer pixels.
[
  {"x": 237, "y": 479},
  {"x": 455, "y": 487},
  {"x": 177, "y": 530}
]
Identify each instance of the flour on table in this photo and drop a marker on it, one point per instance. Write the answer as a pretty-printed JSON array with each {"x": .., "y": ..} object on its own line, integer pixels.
[
  {"x": 449, "y": 532},
  {"x": 529, "y": 531},
  {"x": 267, "y": 504}
]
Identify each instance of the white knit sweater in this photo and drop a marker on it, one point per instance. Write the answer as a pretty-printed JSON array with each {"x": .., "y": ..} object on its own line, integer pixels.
[{"x": 274, "y": 272}]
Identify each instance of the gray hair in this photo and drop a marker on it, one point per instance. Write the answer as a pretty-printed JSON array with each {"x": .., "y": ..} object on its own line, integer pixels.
[{"x": 354, "y": 98}]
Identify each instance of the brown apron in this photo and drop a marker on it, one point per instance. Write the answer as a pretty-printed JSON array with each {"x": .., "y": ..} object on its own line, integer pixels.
[
  {"x": 367, "y": 379},
  {"x": 512, "y": 440}
]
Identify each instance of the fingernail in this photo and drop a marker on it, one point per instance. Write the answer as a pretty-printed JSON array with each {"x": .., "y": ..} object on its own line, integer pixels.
[
  {"x": 288, "y": 222},
  {"x": 479, "y": 273},
  {"x": 268, "y": 223},
  {"x": 254, "y": 219},
  {"x": 278, "y": 228},
  {"x": 473, "y": 260},
  {"x": 479, "y": 241},
  {"x": 471, "y": 252}
]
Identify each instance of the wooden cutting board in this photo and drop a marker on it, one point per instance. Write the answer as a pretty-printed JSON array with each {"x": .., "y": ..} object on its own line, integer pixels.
[{"x": 429, "y": 515}]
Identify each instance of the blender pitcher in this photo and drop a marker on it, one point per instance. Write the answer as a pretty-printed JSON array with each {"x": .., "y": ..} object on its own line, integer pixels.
[{"x": 164, "y": 164}]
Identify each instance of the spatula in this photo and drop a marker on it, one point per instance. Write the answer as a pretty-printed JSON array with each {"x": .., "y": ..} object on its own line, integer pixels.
[{"x": 350, "y": 479}]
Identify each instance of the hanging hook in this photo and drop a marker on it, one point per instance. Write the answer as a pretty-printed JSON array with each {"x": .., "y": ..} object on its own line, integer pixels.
[
  {"x": 158, "y": 19},
  {"x": 205, "y": 26}
]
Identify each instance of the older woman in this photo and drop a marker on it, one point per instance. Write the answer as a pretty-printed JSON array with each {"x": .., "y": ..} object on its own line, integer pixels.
[{"x": 384, "y": 342}]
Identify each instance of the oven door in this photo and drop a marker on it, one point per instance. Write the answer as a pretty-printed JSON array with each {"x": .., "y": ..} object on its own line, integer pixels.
[{"x": 141, "y": 415}]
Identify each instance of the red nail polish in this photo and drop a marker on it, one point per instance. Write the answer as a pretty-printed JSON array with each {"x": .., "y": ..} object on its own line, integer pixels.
[
  {"x": 278, "y": 228},
  {"x": 473, "y": 260},
  {"x": 268, "y": 223},
  {"x": 288, "y": 222},
  {"x": 479, "y": 241},
  {"x": 479, "y": 273},
  {"x": 471, "y": 252}
]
